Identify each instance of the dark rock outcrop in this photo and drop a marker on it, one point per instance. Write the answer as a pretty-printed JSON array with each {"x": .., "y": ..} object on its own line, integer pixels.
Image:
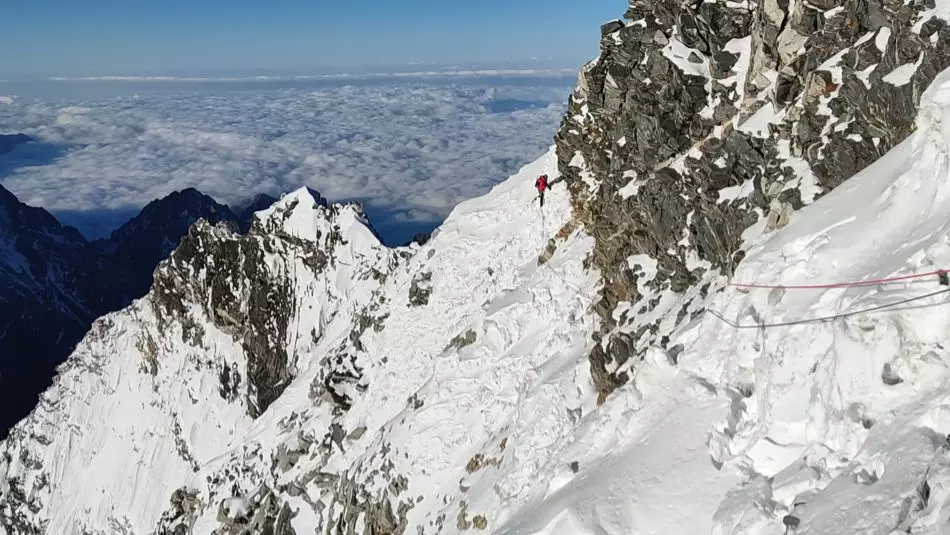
[
  {"x": 698, "y": 117},
  {"x": 420, "y": 289},
  {"x": 151, "y": 236}
]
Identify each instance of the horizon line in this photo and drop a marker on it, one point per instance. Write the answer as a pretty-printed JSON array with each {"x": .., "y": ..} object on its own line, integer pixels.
[{"x": 547, "y": 72}]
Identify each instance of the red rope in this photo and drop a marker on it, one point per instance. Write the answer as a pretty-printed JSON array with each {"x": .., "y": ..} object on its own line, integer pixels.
[{"x": 841, "y": 284}]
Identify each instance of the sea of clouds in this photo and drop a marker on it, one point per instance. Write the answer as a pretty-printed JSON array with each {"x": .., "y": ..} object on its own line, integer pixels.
[{"x": 409, "y": 150}]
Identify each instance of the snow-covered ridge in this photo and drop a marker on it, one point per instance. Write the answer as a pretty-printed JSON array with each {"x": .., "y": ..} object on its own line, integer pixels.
[
  {"x": 156, "y": 390},
  {"x": 305, "y": 379},
  {"x": 305, "y": 375}
]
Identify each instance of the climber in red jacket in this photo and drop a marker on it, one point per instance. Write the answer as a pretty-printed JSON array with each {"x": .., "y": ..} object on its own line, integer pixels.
[{"x": 542, "y": 184}]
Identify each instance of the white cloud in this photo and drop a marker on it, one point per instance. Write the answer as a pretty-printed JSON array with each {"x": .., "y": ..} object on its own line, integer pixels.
[
  {"x": 434, "y": 73},
  {"x": 412, "y": 150}
]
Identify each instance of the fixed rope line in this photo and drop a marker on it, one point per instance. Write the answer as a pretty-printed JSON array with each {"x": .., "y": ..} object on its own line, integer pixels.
[
  {"x": 822, "y": 319},
  {"x": 941, "y": 274}
]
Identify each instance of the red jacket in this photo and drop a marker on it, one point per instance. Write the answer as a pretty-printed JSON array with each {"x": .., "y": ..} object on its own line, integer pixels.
[{"x": 542, "y": 183}]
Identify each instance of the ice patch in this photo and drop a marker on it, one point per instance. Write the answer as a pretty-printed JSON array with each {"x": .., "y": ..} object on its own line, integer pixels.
[
  {"x": 905, "y": 73},
  {"x": 740, "y": 191},
  {"x": 586, "y": 176},
  {"x": 865, "y": 75},
  {"x": 833, "y": 11},
  {"x": 743, "y": 48},
  {"x": 806, "y": 182},
  {"x": 680, "y": 54},
  {"x": 632, "y": 187},
  {"x": 883, "y": 35},
  {"x": 758, "y": 123}
]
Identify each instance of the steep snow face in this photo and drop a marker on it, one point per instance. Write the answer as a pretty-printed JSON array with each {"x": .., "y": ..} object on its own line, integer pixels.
[
  {"x": 835, "y": 426},
  {"x": 304, "y": 376},
  {"x": 478, "y": 370},
  {"x": 848, "y": 416}
]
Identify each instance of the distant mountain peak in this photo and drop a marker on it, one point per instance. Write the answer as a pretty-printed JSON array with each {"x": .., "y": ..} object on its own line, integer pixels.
[{"x": 148, "y": 238}]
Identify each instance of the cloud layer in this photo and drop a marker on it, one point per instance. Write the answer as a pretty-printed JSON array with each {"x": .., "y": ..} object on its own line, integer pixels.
[
  {"x": 410, "y": 151},
  {"x": 356, "y": 76}
]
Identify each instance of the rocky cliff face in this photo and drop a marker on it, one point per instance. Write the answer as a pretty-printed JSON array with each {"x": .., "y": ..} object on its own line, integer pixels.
[
  {"x": 139, "y": 245},
  {"x": 698, "y": 119}
]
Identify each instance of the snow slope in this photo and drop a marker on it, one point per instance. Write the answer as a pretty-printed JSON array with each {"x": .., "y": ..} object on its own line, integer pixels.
[
  {"x": 751, "y": 430},
  {"x": 445, "y": 388},
  {"x": 807, "y": 413},
  {"x": 820, "y": 417},
  {"x": 487, "y": 343}
]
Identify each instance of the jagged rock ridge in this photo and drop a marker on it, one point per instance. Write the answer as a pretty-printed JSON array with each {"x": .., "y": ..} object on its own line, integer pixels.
[
  {"x": 140, "y": 244},
  {"x": 54, "y": 283},
  {"x": 698, "y": 119}
]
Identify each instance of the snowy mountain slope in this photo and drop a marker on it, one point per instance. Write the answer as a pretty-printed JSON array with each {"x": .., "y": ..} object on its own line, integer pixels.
[
  {"x": 440, "y": 366},
  {"x": 850, "y": 416},
  {"x": 582, "y": 369},
  {"x": 835, "y": 427},
  {"x": 473, "y": 348},
  {"x": 496, "y": 373},
  {"x": 304, "y": 378},
  {"x": 159, "y": 389}
]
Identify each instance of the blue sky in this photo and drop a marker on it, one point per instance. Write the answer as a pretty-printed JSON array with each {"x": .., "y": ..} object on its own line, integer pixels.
[{"x": 95, "y": 37}]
